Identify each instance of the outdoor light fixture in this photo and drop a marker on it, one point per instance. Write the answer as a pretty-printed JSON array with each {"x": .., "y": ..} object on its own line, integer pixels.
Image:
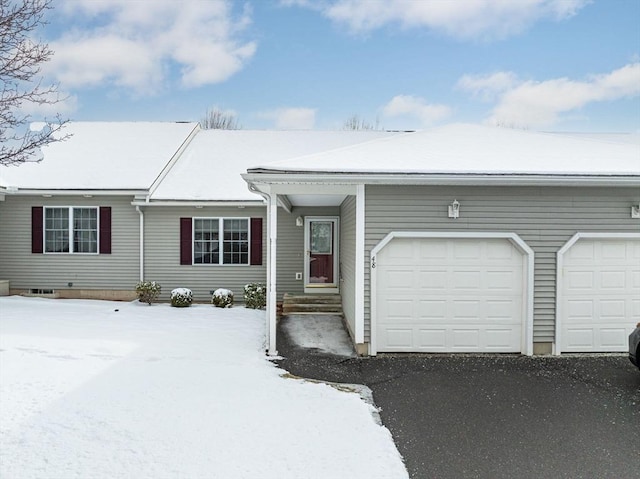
[
  {"x": 635, "y": 211},
  {"x": 299, "y": 221},
  {"x": 454, "y": 209}
]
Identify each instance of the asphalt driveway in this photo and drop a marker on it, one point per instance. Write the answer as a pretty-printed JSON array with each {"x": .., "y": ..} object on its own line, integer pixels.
[{"x": 496, "y": 416}]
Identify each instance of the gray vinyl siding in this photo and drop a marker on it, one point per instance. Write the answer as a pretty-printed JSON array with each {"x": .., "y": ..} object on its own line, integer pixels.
[
  {"x": 348, "y": 260},
  {"x": 115, "y": 271},
  {"x": 290, "y": 249},
  {"x": 544, "y": 217},
  {"x": 162, "y": 253}
]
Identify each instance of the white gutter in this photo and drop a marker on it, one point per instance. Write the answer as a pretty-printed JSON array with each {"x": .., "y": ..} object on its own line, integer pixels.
[
  {"x": 141, "y": 213},
  {"x": 290, "y": 178},
  {"x": 248, "y": 203},
  {"x": 37, "y": 192}
]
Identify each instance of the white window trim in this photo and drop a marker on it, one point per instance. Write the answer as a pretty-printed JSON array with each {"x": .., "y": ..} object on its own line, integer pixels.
[
  {"x": 70, "y": 208},
  {"x": 220, "y": 240}
]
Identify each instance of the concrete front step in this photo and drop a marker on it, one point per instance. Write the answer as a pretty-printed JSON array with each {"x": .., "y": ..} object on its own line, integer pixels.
[
  {"x": 312, "y": 298},
  {"x": 312, "y": 304},
  {"x": 311, "y": 308}
]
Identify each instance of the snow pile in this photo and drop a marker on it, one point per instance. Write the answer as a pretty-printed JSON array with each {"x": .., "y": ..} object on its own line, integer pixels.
[{"x": 104, "y": 389}]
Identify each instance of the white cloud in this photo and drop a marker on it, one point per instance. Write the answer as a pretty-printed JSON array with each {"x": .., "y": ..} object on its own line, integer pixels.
[
  {"x": 487, "y": 86},
  {"x": 411, "y": 107},
  {"x": 291, "y": 118},
  {"x": 134, "y": 44},
  {"x": 464, "y": 19},
  {"x": 542, "y": 103}
]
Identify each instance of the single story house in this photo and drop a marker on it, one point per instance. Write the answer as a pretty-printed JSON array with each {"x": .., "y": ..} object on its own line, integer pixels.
[{"x": 461, "y": 238}]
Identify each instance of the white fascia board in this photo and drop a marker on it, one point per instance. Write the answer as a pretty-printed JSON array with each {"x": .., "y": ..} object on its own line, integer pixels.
[
  {"x": 327, "y": 179},
  {"x": 32, "y": 192},
  {"x": 142, "y": 202}
]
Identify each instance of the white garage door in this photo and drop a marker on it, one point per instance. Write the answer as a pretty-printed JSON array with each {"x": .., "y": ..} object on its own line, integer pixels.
[
  {"x": 599, "y": 295},
  {"x": 449, "y": 295}
]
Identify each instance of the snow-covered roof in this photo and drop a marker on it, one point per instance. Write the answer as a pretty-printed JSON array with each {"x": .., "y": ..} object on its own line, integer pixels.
[
  {"x": 102, "y": 156},
  {"x": 211, "y": 166},
  {"x": 460, "y": 149}
]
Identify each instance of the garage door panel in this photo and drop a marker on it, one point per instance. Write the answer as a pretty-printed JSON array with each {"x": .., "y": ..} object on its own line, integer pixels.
[
  {"x": 501, "y": 339},
  {"x": 600, "y": 284},
  {"x": 465, "y": 339},
  {"x": 501, "y": 280},
  {"x": 613, "y": 338},
  {"x": 435, "y": 309},
  {"x": 400, "y": 278},
  {"x": 503, "y": 250},
  {"x": 432, "y": 251},
  {"x": 395, "y": 309},
  {"x": 466, "y": 250},
  {"x": 432, "y": 279},
  {"x": 431, "y": 339},
  {"x": 500, "y": 309},
  {"x": 612, "y": 250},
  {"x": 466, "y": 280},
  {"x": 613, "y": 309},
  {"x": 576, "y": 339},
  {"x": 579, "y": 280},
  {"x": 400, "y": 338},
  {"x": 579, "y": 311},
  {"x": 467, "y": 296},
  {"x": 613, "y": 279}
]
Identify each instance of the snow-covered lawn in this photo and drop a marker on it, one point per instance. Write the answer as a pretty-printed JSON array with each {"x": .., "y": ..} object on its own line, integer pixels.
[{"x": 99, "y": 389}]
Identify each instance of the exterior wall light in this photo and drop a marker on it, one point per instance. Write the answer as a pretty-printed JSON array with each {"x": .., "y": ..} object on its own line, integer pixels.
[
  {"x": 635, "y": 211},
  {"x": 299, "y": 221},
  {"x": 454, "y": 209}
]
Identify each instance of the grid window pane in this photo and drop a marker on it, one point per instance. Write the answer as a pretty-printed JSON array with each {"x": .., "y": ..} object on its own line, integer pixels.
[
  {"x": 236, "y": 241},
  {"x": 85, "y": 230},
  {"x": 206, "y": 241},
  {"x": 56, "y": 235}
]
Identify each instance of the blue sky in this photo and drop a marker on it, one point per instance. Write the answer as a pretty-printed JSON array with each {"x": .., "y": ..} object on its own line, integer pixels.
[{"x": 404, "y": 64}]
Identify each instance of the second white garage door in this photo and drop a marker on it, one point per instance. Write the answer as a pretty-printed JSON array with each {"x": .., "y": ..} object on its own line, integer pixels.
[
  {"x": 599, "y": 294},
  {"x": 449, "y": 295}
]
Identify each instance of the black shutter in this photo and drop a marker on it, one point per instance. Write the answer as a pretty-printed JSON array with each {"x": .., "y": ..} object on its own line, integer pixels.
[
  {"x": 105, "y": 230},
  {"x": 37, "y": 226},
  {"x": 186, "y": 242},
  {"x": 256, "y": 242}
]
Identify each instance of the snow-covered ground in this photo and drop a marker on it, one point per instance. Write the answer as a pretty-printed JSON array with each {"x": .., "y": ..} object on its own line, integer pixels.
[{"x": 99, "y": 389}]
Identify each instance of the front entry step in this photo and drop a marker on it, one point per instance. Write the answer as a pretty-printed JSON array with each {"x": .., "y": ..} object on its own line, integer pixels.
[{"x": 312, "y": 304}]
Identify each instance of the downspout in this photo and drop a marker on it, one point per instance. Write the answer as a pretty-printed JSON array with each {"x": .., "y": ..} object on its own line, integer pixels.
[
  {"x": 141, "y": 213},
  {"x": 272, "y": 236}
]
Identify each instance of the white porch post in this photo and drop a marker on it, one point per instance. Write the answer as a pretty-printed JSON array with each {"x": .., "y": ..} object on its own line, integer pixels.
[
  {"x": 272, "y": 234},
  {"x": 359, "y": 276}
]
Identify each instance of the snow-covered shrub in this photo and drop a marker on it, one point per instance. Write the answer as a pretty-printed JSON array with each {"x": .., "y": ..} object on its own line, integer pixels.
[
  {"x": 222, "y": 298},
  {"x": 181, "y": 297},
  {"x": 255, "y": 295},
  {"x": 148, "y": 291}
]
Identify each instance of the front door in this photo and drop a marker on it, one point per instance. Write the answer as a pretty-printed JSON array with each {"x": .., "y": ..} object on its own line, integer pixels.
[{"x": 321, "y": 255}]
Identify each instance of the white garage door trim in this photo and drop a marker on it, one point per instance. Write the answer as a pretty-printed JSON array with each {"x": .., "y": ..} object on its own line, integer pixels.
[
  {"x": 557, "y": 349},
  {"x": 527, "y": 329}
]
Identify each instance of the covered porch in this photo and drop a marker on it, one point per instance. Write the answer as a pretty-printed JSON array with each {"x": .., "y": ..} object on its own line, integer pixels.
[{"x": 315, "y": 246}]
